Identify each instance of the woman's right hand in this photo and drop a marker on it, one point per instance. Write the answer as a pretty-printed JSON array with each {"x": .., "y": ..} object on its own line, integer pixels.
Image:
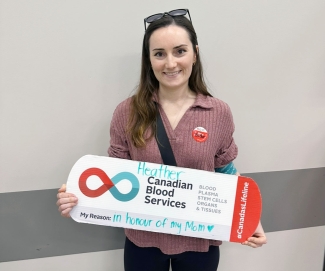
[{"x": 66, "y": 201}]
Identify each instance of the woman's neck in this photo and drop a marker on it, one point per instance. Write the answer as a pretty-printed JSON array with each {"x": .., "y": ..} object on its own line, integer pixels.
[
  {"x": 175, "y": 103},
  {"x": 175, "y": 95}
]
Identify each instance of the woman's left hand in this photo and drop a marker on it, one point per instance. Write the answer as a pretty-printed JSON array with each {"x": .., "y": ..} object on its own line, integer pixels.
[{"x": 258, "y": 239}]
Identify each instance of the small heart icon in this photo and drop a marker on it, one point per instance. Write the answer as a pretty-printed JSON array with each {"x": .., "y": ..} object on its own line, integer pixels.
[{"x": 210, "y": 228}]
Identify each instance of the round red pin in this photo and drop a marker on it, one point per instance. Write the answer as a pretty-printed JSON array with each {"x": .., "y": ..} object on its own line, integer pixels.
[{"x": 199, "y": 134}]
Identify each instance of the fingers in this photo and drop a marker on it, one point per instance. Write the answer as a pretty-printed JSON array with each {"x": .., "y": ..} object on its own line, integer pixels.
[
  {"x": 259, "y": 240},
  {"x": 66, "y": 201},
  {"x": 63, "y": 195},
  {"x": 62, "y": 188},
  {"x": 255, "y": 242},
  {"x": 251, "y": 244},
  {"x": 65, "y": 205},
  {"x": 65, "y": 211}
]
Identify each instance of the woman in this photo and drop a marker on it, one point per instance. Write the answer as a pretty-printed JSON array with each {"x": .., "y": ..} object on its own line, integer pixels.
[{"x": 172, "y": 85}]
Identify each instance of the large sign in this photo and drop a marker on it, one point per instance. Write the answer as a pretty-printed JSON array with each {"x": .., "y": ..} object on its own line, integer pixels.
[{"x": 160, "y": 198}]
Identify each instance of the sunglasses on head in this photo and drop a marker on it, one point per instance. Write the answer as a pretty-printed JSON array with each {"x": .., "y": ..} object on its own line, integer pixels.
[{"x": 172, "y": 13}]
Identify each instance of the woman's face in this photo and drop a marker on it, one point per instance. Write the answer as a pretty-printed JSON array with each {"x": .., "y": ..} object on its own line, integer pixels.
[{"x": 171, "y": 56}]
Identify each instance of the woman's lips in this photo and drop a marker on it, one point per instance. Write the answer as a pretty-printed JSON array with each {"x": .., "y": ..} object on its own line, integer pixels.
[{"x": 171, "y": 74}]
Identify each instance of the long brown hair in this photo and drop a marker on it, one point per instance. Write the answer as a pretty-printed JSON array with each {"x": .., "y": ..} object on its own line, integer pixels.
[{"x": 143, "y": 109}]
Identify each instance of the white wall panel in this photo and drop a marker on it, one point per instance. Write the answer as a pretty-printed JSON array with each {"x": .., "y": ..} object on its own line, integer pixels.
[
  {"x": 267, "y": 60},
  {"x": 64, "y": 66}
]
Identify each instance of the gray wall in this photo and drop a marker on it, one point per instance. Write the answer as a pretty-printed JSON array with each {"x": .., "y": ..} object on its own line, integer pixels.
[{"x": 65, "y": 65}]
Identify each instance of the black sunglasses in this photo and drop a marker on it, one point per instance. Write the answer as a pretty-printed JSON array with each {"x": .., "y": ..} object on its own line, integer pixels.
[{"x": 172, "y": 13}]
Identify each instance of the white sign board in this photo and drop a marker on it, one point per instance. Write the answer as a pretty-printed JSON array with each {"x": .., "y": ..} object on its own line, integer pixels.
[{"x": 160, "y": 198}]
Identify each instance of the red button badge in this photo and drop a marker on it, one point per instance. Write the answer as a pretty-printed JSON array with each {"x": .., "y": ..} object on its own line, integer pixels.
[{"x": 199, "y": 134}]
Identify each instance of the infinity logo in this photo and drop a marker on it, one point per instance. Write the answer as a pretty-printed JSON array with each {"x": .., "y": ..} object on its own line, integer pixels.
[{"x": 108, "y": 184}]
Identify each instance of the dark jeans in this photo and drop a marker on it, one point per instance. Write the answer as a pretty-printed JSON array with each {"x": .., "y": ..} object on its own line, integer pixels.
[{"x": 152, "y": 259}]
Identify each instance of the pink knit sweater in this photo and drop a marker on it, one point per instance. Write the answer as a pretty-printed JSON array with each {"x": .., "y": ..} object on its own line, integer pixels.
[{"x": 218, "y": 150}]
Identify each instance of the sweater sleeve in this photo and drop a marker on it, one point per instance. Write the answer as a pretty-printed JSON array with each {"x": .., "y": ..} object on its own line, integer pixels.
[
  {"x": 119, "y": 146},
  {"x": 228, "y": 150}
]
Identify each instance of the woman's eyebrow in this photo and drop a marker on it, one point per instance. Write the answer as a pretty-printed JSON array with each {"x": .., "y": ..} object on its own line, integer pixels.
[
  {"x": 180, "y": 46},
  {"x": 176, "y": 47}
]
